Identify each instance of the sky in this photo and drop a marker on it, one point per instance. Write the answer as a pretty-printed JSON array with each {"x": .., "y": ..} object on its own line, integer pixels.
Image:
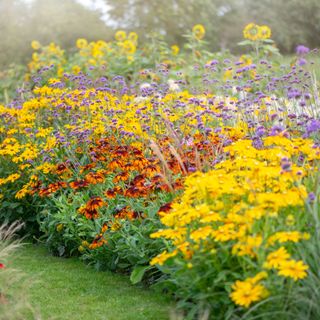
[
  {"x": 96, "y": 5},
  {"x": 99, "y": 5}
]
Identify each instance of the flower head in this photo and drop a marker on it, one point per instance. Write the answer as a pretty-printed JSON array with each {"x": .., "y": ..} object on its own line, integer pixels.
[
  {"x": 246, "y": 292},
  {"x": 81, "y": 43},
  {"x": 175, "y": 50},
  {"x": 35, "y": 45},
  {"x": 199, "y": 31},
  {"x": 293, "y": 269},
  {"x": 274, "y": 259},
  {"x": 120, "y": 35},
  {"x": 302, "y": 50}
]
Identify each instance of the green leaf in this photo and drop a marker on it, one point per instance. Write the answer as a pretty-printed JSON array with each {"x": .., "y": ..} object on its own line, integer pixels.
[
  {"x": 268, "y": 41},
  {"x": 245, "y": 43},
  {"x": 138, "y": 273}
]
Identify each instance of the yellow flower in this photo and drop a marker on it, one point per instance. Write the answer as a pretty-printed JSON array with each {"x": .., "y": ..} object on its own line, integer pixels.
[
  {"x": 225, "y": 233},
  {"x": 199, "y": 31},
  {"x": 258, "y": 277},
  {"x": 290, "y": 220},
  {"x": 35, "y": 57},
  {"x": 59, "y": 227},
  {"x": 12, "y": 178},
  {"x": 76, "y": 69},
  {"x": 133, "y": 37},
  {"x": 115, "y": 226},
  {"x": 85, "y": 243},
  {"x": 120, "y": 35},
  {"x": 81, "y": 43},
  {"x": 247, "y": 246},
  {"x": 254, "y": 32},
  {"x": 286, "y": 236},
  {"x": 251, "y": 32},
  {"x": 175, "y": 50},
  {"x": 35, "y": 45},
  {"x": 163, "y": 257},
  {"x": 293, "y": 269},
  {"x": 21, "y": 193},
  {"x": 276, "y": 258},
  {"x": 246, "y": 292},
  {"x": 201, "y": 233},
  {"x": 129, "y": 47},
  {"x": 264, "y": 32},
  {"x": 228, "y": 74}
]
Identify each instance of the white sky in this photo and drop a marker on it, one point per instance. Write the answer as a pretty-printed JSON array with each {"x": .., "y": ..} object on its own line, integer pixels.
[
  {"x": 99, "y": 5},
  {"x": 96, "y": 5}
]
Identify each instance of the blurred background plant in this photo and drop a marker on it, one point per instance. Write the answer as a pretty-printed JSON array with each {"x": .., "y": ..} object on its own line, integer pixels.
[
  {"x": 161, "y": 34},
  {"x": 292, "y": 22}
]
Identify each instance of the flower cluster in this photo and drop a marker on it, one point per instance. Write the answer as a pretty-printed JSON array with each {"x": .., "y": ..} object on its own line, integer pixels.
[{"x": 241, "y": 208}]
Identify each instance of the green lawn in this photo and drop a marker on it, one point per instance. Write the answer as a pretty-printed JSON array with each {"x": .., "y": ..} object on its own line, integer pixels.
[{"x": 67, "y": 289}]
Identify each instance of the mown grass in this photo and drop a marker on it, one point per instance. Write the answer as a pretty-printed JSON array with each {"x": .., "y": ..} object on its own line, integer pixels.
[{"x": 67, "y": 289}]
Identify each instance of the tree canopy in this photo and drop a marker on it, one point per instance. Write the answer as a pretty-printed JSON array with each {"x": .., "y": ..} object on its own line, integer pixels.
[{"x": 63, "y": 21}]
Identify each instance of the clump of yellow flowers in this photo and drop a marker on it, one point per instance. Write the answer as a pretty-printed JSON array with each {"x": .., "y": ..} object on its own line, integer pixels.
[
  {"x": 94, "y": 53},
  {"x": 235, "y": 218}
]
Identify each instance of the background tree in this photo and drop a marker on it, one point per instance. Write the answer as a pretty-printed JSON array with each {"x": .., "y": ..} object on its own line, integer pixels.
[
  {"x": 59, "y": 21},
  {"x": 63, "y": 21},
  {"x": 292, "y": 22}
]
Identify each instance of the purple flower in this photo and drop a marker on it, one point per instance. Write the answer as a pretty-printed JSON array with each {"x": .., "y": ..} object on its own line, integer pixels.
[
  {"x": 285, "y": 164},
  {"x": 257, "y": 143},
  {"x": 301, "y": 62},
  {"x": 314, "y": 126},
  {"x": 312, "y": 196},
  {"x": 260, "y": 131},
  {"x": 275, "y": 130},
  {"x": 302, "y": 50}
]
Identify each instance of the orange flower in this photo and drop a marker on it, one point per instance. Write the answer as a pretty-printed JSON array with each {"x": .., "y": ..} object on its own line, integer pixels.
[
  {"x": 135, "y": 192},
  {"x": 78, "y": 184},
  {"x": 123, "y": 176},
  {"x": 52, "y": 188},
  {"x": 151, "y": 169},
  {"x": 125, "y": 213},
  {"x": 89, "y": 214},
  {"x": 104, "y": 228},
  {"x": 94, "y": 177},
  {"x": 165, "y": 208},
  {"x": 111, "y": 194},
  {"x": 138, "y": 181},
  {"x": 97, "y": 242},
  {"x": 61, "y": 168},
  {"x": 115, "y": 164},
  {"x": 94, "y": 204},
  {"x": 87, "y": 167}
]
